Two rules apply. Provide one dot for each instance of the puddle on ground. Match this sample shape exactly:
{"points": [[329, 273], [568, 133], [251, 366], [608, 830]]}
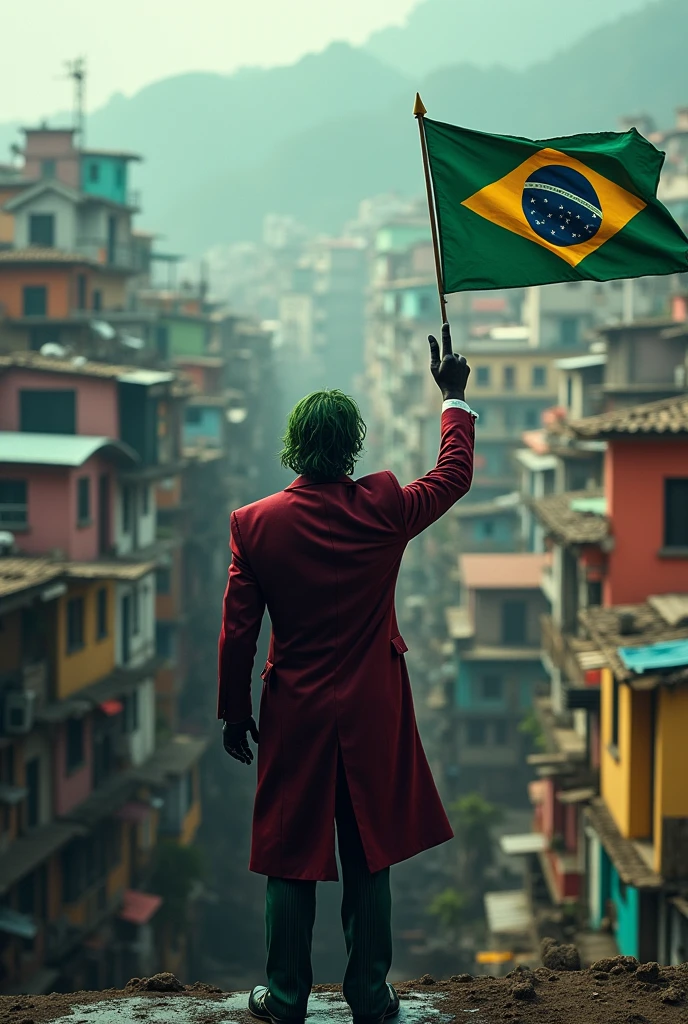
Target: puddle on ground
{"points": [[322, 1009]]}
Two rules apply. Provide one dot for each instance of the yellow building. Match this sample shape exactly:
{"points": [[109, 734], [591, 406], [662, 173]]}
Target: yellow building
{"points": [[639, 839]]}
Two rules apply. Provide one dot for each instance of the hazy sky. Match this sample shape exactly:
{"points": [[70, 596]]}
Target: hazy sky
{"points": [[132, 42]]}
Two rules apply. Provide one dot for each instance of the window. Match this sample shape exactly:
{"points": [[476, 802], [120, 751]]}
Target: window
{"points": [[569, 392], [35, 300], [131, 711], [513, 623], [476, 732], [126, 508], [48, 168], [164, 640], [532, 418], [193, 416], [13, 503], [135, 612], [509, 378], [47, 412], [163, 580], [487, 528], [33, 776], [119, 176], [568, 330], [81, 291], [482, 376], [491, 688], [594, 593], [42, 229], [75, 744], [676, 513], [162, 341], [539, 376], [75, 624], [481, 412], [97, 300], [101, 614], [614, 738], [425, 303], [93, 173], [83, 500], [501, 734]]}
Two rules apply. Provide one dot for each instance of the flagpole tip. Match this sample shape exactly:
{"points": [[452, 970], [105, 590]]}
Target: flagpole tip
{"points": [[418, 107]]}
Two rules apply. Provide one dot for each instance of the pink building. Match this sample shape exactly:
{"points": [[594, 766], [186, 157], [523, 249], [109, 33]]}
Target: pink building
{"points": [[57, 492], [58, 402]]}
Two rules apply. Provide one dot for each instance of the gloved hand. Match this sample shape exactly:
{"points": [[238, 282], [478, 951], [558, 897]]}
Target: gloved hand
{"points": [[235, 742]]}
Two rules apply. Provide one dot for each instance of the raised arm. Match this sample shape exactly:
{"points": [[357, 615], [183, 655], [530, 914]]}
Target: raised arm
{"points": [[242, 615], [429, 497]]}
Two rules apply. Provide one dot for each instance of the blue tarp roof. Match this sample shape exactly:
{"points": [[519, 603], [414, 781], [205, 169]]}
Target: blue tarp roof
{"points": [[670, 654]]}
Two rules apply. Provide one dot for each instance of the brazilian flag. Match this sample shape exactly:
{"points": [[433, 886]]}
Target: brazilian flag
{"points": [[514, 212]]}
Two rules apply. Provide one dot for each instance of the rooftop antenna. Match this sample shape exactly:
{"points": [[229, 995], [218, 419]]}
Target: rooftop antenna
{"points": [[76, 70]]}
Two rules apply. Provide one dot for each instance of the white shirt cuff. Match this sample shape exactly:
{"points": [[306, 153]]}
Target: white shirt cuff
{"points": [[456, 403]]}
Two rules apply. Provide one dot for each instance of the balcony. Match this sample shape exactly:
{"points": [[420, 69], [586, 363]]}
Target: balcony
{"points": [[579, 660], [123, 256]]}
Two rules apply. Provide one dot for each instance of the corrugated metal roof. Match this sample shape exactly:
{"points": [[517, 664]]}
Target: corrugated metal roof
{"points": [[529, 842], [596, 506], [672, 607], [582, 362], [508, 913], [59, 449], [670, 654]]}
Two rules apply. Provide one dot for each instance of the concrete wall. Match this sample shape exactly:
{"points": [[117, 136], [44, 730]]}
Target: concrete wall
{"points": [[635, 471], [143, 738], [60, 283], [64, 212], [488, 614], [96, 400], [626, 900], [670, 789], [625, 774], [71, 789], [141, 643], [112, 177], [142, 531], [97, 657]]}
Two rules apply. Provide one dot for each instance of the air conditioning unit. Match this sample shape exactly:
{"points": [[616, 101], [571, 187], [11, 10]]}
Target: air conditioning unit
{"points": [[19, 712]]}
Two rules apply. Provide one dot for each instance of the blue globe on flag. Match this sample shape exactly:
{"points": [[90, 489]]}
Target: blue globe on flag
{"points": [[561, 206]]}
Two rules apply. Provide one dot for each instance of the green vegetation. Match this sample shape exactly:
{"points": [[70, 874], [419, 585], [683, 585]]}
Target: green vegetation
{"points": [[175, 871], [530, 726]]}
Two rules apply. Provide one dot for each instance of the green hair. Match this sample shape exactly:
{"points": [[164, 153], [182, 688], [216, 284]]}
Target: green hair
{"points": [[324, 437]]}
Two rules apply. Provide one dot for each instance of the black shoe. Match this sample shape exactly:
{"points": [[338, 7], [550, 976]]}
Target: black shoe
{"points": [[391, 1011], [257, 1008]]}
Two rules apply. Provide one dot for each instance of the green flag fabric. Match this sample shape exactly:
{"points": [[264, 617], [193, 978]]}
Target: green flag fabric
{"points": [[515, 212]]}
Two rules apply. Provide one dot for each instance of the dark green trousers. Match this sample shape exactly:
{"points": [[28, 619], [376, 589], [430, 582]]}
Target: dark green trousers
{"points": [[366, 919]]}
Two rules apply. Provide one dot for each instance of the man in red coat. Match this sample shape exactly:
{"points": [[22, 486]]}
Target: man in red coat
{"points": [[338, 736]]}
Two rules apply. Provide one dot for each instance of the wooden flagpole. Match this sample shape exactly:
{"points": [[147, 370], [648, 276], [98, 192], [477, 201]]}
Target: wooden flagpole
{"points": [[419, 113]]}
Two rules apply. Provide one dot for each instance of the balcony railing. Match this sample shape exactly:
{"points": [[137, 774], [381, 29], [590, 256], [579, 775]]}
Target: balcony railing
{"points": [[120, 256], [579, 660]]}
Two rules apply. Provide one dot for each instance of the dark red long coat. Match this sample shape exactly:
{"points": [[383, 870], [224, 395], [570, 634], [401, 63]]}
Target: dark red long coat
{"points": [[324, 559]]}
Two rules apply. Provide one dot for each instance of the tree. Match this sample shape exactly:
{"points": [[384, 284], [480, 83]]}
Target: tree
{"points": [[448, 907], [474, 818]]}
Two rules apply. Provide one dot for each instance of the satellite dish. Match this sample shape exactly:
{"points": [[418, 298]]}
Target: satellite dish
{"points": [[52, 350], [79, 361]]}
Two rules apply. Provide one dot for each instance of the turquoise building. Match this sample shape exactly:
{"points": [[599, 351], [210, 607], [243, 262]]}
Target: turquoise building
{"points": [[106, 174]]}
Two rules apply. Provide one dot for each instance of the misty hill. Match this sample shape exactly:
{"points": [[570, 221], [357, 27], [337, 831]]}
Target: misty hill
{"points": [[487, 33], [635, 65]]}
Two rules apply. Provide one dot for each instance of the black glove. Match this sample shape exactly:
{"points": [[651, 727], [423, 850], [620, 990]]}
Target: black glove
{"points": [[449, 369], [235, 742]]}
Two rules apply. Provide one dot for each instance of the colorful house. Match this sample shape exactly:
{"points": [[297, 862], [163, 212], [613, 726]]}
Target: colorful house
{"points": [[496, 632]]}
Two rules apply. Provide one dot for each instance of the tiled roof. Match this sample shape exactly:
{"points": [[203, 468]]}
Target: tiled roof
{"points": [[39, 254], [631, 867], [560, 517], [90, 368], [635, 625], [668, 416], [18, 574], [511, 571]]}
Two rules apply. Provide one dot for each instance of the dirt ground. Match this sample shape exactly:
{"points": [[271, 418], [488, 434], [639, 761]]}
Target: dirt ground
{"points": [[613, 991]]}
